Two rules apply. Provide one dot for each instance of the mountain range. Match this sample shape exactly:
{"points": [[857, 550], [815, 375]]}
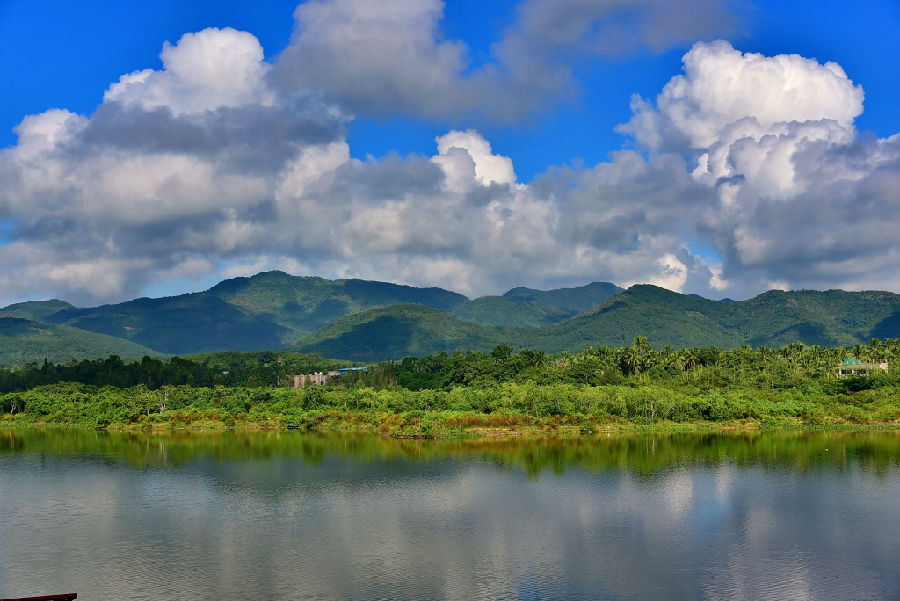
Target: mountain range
{"points": [[368, 321]]}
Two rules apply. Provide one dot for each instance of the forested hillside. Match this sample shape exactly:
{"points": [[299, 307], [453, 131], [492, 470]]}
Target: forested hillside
{"points": [[403, 330], [372, 321], [776, 318], [23, 341], [267, 311], [526, 307]]}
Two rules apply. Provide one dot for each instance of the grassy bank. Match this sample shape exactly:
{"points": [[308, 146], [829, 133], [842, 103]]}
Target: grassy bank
{"points": [[507, 409]]}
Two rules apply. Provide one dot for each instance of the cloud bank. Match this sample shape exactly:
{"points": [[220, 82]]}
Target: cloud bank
{"points": [[222, 164]]}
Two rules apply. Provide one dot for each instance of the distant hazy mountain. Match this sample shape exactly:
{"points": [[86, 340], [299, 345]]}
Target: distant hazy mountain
{"points": [[366, 320], [23, 341]]}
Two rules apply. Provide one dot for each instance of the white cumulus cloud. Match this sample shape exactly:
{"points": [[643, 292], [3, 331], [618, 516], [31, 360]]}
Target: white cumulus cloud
{"points": [[222, 163], [205, 70], [798, 191], [722, 86]]}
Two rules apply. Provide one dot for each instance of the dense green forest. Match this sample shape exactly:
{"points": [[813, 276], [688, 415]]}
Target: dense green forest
{"points": [[452, 393], [232, 369], [639, 363]]}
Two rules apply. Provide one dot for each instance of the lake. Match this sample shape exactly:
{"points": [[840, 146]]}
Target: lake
{"points": [[288, 515]]}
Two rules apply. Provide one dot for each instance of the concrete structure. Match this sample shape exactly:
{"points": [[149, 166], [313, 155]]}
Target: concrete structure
{"points": [[319, 378], [855, 367]]}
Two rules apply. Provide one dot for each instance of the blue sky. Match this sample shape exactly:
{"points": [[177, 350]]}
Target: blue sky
{"points": [[66, 55]]}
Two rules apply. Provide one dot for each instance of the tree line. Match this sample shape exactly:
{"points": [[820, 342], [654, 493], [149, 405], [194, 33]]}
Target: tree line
{"points": [[638, 364], [760, 368], [230, 369]]}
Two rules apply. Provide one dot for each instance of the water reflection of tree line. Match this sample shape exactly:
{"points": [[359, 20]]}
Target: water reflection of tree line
{"points": [[643, 454]]}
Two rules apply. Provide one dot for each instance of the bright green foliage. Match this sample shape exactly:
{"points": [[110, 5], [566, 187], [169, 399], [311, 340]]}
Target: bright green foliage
{"points": [[587, 407], [438, 394]]}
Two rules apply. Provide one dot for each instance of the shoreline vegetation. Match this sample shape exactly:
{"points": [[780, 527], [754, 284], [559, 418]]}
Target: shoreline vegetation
{"points": [[469, 394]]}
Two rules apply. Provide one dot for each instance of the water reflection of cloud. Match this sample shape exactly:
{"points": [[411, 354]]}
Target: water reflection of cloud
{"points": [[678, 491], [283, 528]]}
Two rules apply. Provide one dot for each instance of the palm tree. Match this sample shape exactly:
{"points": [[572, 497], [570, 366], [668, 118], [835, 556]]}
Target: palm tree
{"points": [[875, 351], [630, 360], [640, 344]]}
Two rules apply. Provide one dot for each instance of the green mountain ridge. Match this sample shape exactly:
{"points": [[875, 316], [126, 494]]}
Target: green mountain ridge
{"points": [[775, 318], [23, 341], [573, 300], [534, 308], [35, 310], [367, 320], [267, 311]]}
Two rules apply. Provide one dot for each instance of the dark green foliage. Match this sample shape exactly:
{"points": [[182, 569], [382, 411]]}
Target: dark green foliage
{"points": [[775, 318], [260, 369], [789, 367], [889, 327], [662, 316], [182, 324]]}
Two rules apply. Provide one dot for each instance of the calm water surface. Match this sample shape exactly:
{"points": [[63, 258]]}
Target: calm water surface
{"points": [[293, 516]]}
